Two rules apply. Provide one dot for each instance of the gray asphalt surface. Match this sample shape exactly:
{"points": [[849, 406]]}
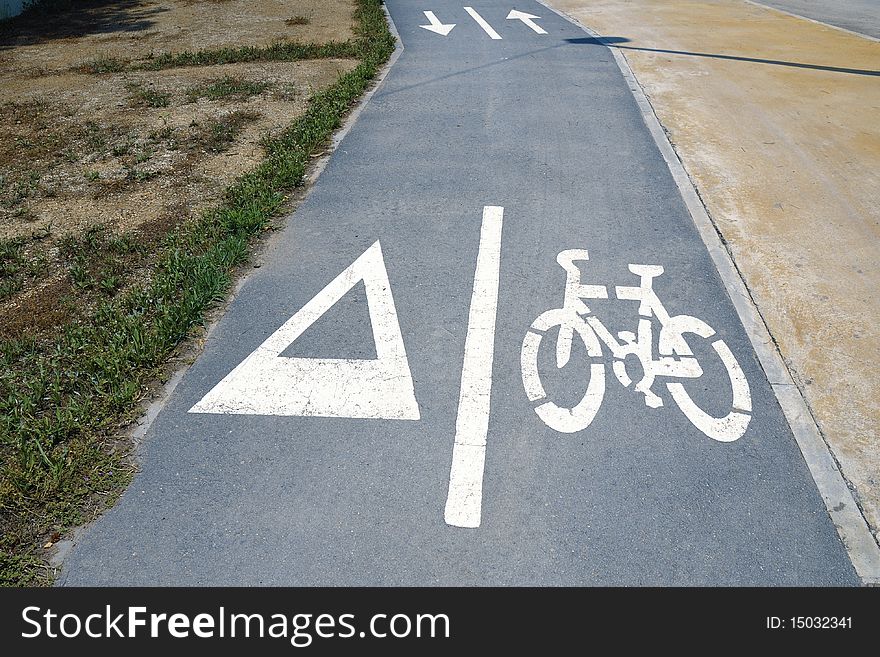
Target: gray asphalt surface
{"points": [[544, 126], [862, 16]]}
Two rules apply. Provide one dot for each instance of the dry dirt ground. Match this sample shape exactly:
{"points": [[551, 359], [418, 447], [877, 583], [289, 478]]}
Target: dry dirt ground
{"points": [[117, 159], [777, 120]]}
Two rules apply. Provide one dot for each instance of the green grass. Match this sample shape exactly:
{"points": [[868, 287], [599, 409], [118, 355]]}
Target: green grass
{"points": [[11, 264], [10, 256], [102, 65], [133, 174], [148, 97], [26, 184], [97, 259], [63, 400], [217, 135], [285, 51], [16, 265], [227, 87], [282, 51], [121, 148]]}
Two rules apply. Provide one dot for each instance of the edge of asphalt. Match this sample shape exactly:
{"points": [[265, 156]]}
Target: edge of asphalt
{"points": [[143, 423], [141, 426], [851, 525], [813, 20]]}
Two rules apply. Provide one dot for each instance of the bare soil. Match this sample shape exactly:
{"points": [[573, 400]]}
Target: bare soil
{"points": [[138, 29], [135, 152]]}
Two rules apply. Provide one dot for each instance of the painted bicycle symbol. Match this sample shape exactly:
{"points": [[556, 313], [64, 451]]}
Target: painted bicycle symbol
{"points": [[675, 358]]}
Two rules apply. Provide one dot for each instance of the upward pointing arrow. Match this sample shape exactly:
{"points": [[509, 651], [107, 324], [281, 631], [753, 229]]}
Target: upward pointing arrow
{"points": [[527, 19], [436, 25]]}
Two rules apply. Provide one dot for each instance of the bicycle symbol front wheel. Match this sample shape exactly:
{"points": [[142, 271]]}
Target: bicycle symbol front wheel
{"points": [[562, 419], [731, 426]]}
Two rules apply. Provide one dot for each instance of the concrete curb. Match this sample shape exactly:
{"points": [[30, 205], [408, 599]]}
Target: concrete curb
{"points": [[851, 525], [337, 138]]}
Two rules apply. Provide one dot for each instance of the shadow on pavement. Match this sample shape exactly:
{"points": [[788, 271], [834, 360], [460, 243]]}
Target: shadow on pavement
{"points": [[614, 41]]}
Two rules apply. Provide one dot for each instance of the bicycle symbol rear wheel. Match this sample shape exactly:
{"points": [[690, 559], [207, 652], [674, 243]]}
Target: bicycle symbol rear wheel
{"points": [[562, 419]]}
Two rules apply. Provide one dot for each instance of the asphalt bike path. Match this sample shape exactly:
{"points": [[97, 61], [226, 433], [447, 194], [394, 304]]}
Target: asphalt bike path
{"points": [[489, 348]]}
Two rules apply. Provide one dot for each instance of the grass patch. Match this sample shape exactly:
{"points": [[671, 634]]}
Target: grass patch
{"points": [[154, 98], [282, 51], [134, 174], [217, 135], [102, 65], [63, 399], [123, 147], [227, 88], [148, 97], [16, 266], [277, 52], [22, 184], [98, 259], [297, 20], [11, 264]]}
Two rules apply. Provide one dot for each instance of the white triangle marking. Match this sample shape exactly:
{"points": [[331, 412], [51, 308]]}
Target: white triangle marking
{"points": [[266, 383]]}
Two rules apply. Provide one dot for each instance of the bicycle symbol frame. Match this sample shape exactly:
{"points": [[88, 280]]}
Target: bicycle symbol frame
{"points": [[675, 357]]}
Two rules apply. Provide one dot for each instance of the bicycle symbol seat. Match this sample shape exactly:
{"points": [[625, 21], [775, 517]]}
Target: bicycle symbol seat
{"points": [[675, 358]]}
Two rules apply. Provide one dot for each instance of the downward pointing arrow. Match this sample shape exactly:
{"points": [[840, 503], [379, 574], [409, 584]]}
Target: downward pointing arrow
{"points": [[527, 19], [436, 25]]}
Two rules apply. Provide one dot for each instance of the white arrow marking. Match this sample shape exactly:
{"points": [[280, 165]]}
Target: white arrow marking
{"points": [[527, 19], [436, 25], [266, 383], [482, 23], [465, 499]]}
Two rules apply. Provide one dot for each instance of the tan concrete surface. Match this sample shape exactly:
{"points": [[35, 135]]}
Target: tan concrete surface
{"points": [[777, 121]]}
